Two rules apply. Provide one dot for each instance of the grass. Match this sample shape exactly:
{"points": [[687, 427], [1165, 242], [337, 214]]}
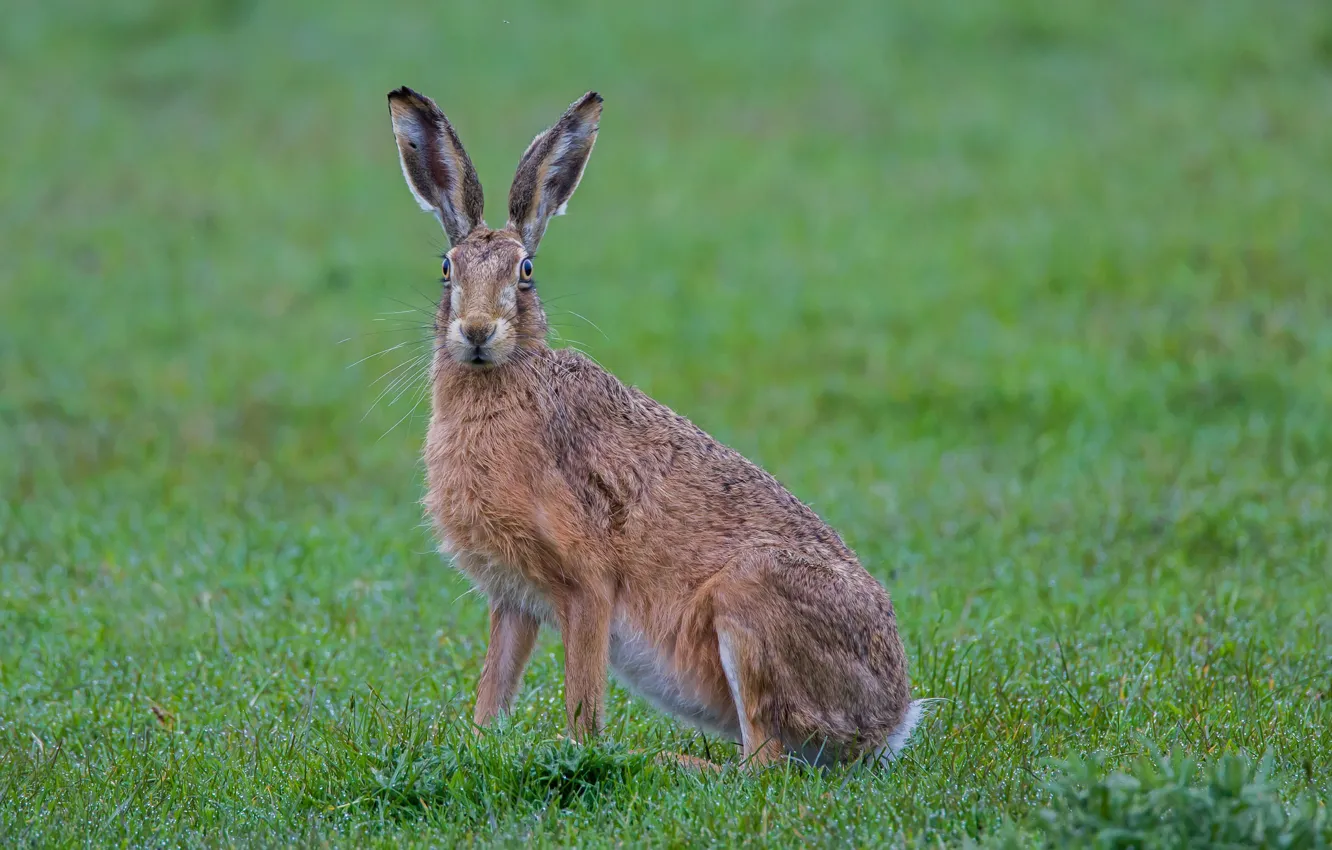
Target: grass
{"points": [[1160, 804], [1030, 300]]}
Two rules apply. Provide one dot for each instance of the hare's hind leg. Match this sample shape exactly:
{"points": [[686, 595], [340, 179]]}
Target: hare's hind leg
{"points": [[742, 665], [811, 654]]}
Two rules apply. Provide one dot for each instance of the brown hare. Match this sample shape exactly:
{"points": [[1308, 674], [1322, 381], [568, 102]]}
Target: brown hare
{"points": [[575, 501]]}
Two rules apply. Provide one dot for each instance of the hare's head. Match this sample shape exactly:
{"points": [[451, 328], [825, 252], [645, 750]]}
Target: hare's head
{"points": [[489, 310]]}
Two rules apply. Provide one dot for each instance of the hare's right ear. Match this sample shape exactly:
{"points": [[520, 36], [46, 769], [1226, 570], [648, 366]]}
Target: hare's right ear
{"points": [[436, 167], [550, 169]]}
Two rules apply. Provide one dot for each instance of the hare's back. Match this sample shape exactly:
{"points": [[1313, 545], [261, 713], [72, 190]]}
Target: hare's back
{"points": [[619, 444]]}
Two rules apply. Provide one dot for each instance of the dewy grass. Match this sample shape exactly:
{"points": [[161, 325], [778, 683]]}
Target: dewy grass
{"points": [[401, 764], [1174, 802], [1030, 301]]}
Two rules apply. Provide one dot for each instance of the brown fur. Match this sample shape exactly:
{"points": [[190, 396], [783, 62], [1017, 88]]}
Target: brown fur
{"points": [[571, 499]]}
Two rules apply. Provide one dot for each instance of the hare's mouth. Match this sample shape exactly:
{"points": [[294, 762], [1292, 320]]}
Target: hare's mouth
{"points": [[479, 357]]}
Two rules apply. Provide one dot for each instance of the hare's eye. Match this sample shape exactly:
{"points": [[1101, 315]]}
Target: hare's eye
{"points": [[446, 270], [525, 270]]}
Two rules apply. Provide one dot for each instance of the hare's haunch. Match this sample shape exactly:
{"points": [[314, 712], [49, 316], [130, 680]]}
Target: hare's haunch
{"points": [[573, 500]]}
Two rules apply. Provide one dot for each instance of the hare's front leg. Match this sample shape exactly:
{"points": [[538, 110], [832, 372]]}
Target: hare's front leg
{"points": [[513, 632], [585, 620]]}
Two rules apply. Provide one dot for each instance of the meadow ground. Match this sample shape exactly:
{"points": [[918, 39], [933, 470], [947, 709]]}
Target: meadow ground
{"points": [[1030, 300]]}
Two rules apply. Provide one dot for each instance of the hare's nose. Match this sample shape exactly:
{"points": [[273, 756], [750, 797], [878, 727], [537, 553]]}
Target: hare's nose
{"points": [[478, 333]]}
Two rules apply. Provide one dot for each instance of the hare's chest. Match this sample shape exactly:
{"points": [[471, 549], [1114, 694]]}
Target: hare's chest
{"points": [[499, 550], [487, 503]]}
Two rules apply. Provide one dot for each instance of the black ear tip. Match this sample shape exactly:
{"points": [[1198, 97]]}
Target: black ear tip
{"points": [[587, 105], [403, 93]]}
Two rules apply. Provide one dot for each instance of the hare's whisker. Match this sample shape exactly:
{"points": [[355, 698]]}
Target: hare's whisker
{"points": [[590, 322], [409, 366], [406, 362], [404, 416], [396, 330], [409, 373], [580, 316], [378, 353], [414, 308], [407, 386]]}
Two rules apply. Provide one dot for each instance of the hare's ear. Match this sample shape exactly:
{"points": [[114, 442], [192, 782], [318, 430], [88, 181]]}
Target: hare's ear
{"points": [[436, 167], [550, 169]]}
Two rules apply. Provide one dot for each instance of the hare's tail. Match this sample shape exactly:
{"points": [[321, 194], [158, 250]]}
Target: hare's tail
{"points": [[897, 741]]}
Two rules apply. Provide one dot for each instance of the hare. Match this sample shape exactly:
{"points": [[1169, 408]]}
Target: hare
{"points": [[573, 500]]}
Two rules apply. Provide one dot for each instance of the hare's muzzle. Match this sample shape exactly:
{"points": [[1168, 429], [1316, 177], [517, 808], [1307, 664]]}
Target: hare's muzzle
{"points": [[474, 342]]}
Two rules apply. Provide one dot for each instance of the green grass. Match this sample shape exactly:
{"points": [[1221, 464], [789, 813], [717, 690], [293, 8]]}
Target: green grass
{"points": [[1030, 300]]}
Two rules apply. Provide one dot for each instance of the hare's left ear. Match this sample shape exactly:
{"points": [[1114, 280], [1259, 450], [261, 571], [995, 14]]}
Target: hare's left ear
{"points": [[437, 168], [550, 170]]}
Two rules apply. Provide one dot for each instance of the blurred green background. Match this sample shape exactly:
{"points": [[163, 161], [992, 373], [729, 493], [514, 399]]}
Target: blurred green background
{"points": [[1030, 300]]}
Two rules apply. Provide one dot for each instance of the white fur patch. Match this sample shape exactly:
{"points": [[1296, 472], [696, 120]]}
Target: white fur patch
{"points": [[502, 584], [898, 740], [731, 667], [643, 669], [455, 336]]}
